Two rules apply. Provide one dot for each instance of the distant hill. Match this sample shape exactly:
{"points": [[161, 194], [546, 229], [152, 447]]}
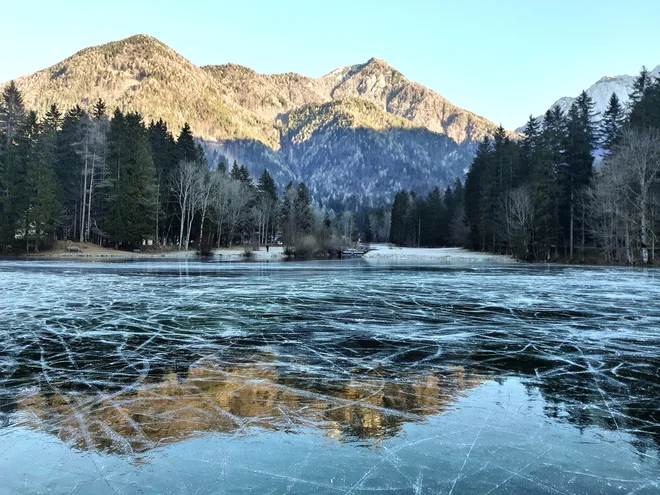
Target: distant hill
{"points": [[361, 129]]}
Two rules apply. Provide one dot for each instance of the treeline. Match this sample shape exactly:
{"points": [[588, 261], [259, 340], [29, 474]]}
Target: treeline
{"points": [[432, 221], [541, 197], [115, 181]]}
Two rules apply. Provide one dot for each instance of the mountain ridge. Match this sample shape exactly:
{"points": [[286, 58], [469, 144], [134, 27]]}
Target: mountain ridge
{"points": [[275, 121]]}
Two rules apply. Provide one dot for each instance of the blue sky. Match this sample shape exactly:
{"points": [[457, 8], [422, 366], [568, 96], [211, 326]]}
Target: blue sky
{"points": [[503, 60]]}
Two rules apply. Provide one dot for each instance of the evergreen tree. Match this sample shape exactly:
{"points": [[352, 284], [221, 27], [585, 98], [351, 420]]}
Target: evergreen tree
{"points": [[645, 102], [42, 187], [12, 112], [433, 228], [612, 123], [98, 111], [267, 186], [578, 159], [398, 227], [12, 169], [543, 154], [164, 155], [131, 182], [235, 172], [241, 174], [532, 139], [187, 151], [303, 209], [53, 119], [67, 167], [640, 85], [474, 193]]}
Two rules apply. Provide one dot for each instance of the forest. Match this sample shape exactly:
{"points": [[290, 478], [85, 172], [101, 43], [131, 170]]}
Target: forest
{"points": [[115, 181], [571, 188]]}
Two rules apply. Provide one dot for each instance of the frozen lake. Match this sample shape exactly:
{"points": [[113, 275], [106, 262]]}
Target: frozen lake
{"points": [[328, 377]]}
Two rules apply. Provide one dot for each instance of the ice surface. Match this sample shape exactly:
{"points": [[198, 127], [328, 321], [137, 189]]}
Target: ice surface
{"points": [[328, 377]]}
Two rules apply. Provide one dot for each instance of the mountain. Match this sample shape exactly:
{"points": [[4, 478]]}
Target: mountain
{"points": [[360, 129], [601, 92], [272, 95]]}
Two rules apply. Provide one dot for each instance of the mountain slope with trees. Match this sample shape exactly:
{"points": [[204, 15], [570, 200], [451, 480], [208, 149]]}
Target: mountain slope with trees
{"points": [[542, 197], [238, 114], [112, 179]]}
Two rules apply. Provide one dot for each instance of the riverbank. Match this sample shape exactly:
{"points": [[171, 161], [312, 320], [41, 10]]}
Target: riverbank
{"points": [[376, 253], [92, 252]]}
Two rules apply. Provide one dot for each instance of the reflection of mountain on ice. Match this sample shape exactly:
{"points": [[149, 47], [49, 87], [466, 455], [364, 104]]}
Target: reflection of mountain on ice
{"points": [[241, 399], [262, 375]]}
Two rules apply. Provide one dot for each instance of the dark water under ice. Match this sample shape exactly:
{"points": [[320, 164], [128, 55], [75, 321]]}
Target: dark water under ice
{"points": [[328, 377]]}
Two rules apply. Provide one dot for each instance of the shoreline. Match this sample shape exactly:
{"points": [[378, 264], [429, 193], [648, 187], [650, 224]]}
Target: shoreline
{"points": [[377, 253], [93, 252]]}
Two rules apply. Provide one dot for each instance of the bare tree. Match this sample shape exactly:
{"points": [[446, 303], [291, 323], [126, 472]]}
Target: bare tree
{"points": [[517, 219], [219, 202], [621, 199], [640, 154], [203, 190], [92, 151], [184, 182], [263, 213], [239, 196]]}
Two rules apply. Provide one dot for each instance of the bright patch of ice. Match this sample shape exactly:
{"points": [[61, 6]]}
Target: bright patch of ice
{"points": [[384, 252]]}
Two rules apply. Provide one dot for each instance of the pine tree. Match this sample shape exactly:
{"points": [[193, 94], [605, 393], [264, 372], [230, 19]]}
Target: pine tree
{"points": [[241, 174], [164, 155], [42, 187], [474, 195], [187, 151], [612, 123], [578, 158], [398, 224], [645, 102], [235, 172], [542, 151], [303, 209], [640, 85], [267, 186], [131, 181], [288, 215], [67, 167], [12, 112], [99, 108], [532, 139], [53, 119], [433, 231]]}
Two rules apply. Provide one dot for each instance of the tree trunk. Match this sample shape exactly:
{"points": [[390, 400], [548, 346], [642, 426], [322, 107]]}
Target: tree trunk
{"points": [[89, 200], [183, 221], [201, 230], [84, 193]]}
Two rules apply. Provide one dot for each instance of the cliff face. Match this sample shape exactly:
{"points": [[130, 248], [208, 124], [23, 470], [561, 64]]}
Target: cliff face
{"points": [[359, 130]]}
